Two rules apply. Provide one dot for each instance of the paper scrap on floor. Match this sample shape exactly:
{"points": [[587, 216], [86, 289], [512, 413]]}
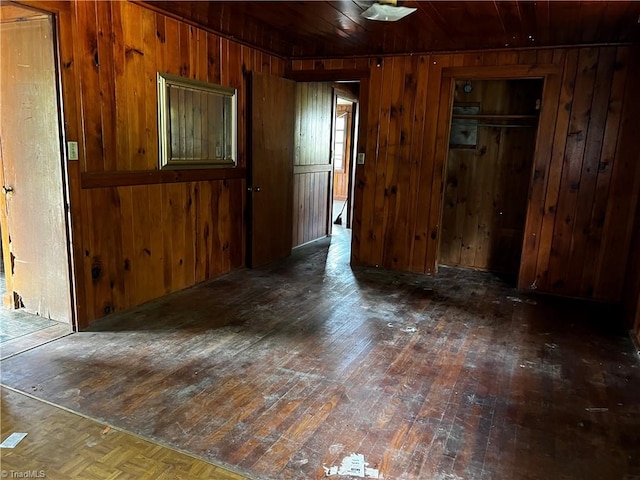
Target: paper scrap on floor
{"points": [[353, 465], [12, 440]]}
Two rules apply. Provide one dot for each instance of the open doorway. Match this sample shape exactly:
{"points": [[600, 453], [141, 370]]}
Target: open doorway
{"points": [[33, 217], [324, 139], [300, 177], [344, 146], [488, 171]]}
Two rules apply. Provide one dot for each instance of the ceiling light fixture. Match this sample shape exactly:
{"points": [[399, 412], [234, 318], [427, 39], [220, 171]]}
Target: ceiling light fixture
{"points": [[387, 11]]}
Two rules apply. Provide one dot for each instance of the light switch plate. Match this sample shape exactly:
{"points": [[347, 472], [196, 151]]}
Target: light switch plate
{"points": [[360, 159], [72, 150]]}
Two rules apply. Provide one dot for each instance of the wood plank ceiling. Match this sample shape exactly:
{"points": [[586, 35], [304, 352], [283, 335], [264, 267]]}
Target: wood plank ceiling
{"points": [[325, 29]]}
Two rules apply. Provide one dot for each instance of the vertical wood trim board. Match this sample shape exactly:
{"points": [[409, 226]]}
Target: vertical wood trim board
{"points": [[625, 205]]}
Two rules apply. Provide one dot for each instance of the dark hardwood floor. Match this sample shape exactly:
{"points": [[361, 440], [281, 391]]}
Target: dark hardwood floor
{"points": [[281, 370], [62, 445]]}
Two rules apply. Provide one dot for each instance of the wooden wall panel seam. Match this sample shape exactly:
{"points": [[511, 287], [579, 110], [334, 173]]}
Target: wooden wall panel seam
{"points": [[382, 160], [588, 176], [420, 114], [608, 158], [625, 183], [572, 167], [553, 181], [440, 148], [539, 182], [423, 194], [366, 178]]}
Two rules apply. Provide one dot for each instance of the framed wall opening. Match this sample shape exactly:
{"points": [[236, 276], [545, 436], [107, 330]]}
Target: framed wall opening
{"points": [[34, 215], [326, 140], [345, 148], [487, 175], [551, 78]]}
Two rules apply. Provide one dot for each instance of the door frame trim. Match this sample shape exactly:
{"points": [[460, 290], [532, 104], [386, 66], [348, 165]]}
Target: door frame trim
{"points": [[55, 15], [353, 133], [341, 75], [552, 77]]}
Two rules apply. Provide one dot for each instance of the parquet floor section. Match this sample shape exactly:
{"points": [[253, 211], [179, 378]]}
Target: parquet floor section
{"points": [[64, 445], [281, 370]]}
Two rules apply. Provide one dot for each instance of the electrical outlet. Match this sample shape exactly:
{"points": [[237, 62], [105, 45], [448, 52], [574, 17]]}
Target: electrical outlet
{"points": [[360, 159], [72, 150]]}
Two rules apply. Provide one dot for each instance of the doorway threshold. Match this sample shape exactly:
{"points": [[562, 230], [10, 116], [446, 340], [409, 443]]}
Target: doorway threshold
{"points": [[13, 346]]}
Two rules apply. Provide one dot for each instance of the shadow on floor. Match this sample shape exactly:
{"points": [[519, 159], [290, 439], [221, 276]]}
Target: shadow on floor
{"points": [[286, 368]]}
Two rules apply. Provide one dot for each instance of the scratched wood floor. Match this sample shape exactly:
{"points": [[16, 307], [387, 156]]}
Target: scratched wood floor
{"points": [[281, 370], [16, 345], [64, 445]]}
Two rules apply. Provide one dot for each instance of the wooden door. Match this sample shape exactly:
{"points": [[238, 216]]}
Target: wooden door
{"points": [[342, 149], [272, 120], [33, 219], [312, 167]]}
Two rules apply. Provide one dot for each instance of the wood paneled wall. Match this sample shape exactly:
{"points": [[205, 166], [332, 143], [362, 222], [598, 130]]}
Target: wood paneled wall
{"points": [[122, 46], [631, 306], [631, 298], [578, 232], [312, 168], [140, 233]]}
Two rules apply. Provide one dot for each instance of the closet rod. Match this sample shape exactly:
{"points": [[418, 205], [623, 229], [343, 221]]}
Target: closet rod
{"points": [[499, 125]]}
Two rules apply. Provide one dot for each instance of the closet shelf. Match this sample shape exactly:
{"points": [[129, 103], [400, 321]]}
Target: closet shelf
{"points": [[493, 117]]}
